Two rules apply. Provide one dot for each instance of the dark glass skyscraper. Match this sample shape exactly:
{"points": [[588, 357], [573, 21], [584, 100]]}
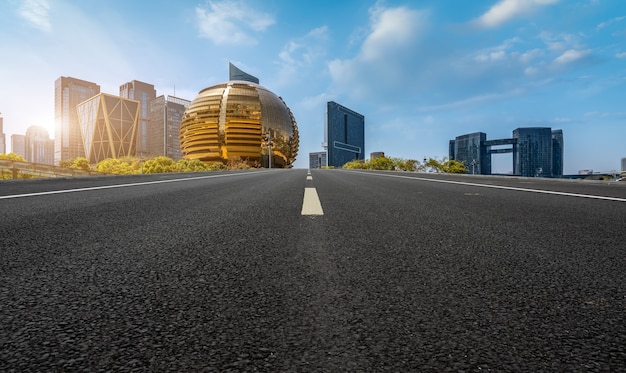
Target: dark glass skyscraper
{"points": [[470, 150], [557, 153], [533, 152], [345, 134]]}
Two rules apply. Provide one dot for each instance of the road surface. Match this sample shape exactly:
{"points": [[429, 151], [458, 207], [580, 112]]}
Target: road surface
{"points": [[373, 271]]}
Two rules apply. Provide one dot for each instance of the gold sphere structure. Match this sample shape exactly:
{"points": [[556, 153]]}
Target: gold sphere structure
{"points": [[239, 120]]}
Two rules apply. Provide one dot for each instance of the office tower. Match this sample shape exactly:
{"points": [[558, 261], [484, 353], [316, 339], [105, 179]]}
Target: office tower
{"points": [[236, 74], [39, 148], [109, 126], [68, 93], [557, 153], [470, 150], [164, 127], [317, 160], [144, 93], [533, 152], [624, 164], [344, 134], [18, 145], [3, 138]]}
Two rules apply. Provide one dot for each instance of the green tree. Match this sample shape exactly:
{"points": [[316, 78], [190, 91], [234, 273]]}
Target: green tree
{"points": [[454, 167], [12, 157], [358, 164], [382, 163], [191, 165], [159, 165], [79, 163], [115, 166]]}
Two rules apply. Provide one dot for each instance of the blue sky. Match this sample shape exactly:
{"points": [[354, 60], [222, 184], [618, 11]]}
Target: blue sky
{"points": [[422, 72]]}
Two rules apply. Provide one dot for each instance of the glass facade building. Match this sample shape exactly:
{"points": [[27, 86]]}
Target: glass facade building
{"points": [[344, 134], [317, 160], [239, 120], [470, 150], [109, 126], [144, 93], [3, 138], [533, 152], [557, 153], [166, 114], [68, 93], [38, 147]]}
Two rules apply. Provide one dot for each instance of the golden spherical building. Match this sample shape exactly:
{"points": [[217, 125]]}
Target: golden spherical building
{"points": [[239, 120]]}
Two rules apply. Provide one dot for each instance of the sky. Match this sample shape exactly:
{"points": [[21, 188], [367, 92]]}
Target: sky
{"points": [[421, 72]]}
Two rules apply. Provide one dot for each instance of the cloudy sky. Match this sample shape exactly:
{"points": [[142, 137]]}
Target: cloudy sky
{"points": [[422, 72]]}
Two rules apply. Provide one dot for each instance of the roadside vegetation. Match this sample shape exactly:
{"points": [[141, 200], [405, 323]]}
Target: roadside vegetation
{"points": [[411, 165]]}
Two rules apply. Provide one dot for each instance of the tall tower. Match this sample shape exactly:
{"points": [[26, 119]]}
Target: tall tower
{"points": [[557, 153], [3, 138], [345, 134], [68, 93], [38, 147], [144, 93], [532, 155], [164, 127]]}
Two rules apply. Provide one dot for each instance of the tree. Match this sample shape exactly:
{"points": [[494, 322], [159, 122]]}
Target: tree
{"points": [[191, 165], [454, 167], [12, 157], [115, 166], [358, 164], [79, 163], [382, 163], [159, 165]]}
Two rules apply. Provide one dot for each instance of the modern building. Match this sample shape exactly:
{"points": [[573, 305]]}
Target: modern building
{"points": [[163, 131], [109, 126], [317, 160], [470, 150], [624, 164], [144, 93], [68, 93], [344, 134], [374, 155], [18, 145], [3, 138], [38, 146], [239, 120], [537, 151], [533, 152]]}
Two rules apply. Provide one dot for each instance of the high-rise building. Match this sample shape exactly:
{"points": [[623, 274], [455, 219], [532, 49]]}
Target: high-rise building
{"points": [[68, 93], [317, 160], [537, 151], [3, 138], [624, 164], [18, 145], [109, 126], [144, 93], [557, 153], [344, 134], [533, 152], [470, 150], [39, 148], [164, 127]]}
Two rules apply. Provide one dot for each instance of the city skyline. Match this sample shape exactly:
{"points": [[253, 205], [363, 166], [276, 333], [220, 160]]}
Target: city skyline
{"points": [[421, 72]]}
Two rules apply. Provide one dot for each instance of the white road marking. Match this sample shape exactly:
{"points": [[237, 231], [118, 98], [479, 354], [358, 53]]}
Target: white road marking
{"points": [[120, 185], [541, 191], [309, 177], [311, 203]]}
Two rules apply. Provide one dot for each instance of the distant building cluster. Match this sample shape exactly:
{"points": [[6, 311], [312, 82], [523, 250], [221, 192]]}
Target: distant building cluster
{"points": [[537, 151], [97, 126], [344, 137]]}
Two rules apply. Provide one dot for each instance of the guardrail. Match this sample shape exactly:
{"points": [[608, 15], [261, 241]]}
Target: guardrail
{"points": [[25, 170]]}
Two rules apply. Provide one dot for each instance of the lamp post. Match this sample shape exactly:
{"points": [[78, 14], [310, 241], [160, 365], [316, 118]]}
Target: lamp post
{"points": [[268, 142], [473, 164]]}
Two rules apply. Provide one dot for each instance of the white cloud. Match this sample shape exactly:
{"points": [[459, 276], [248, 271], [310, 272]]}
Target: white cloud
{"points": [[36, 12], [231, 22], [620, 55], [609, 22], [571, 55], [506, 10]]}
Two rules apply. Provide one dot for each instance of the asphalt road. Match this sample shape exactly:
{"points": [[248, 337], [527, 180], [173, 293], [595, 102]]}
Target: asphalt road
{"points": [[402, 272]]}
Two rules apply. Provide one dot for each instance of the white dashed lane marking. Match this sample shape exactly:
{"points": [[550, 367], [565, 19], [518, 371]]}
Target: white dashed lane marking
{"points": [[311, 204]]}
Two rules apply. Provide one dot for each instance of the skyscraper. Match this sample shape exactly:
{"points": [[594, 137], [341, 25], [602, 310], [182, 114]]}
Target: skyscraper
{"points": [[470, 150], [533, 152], [18, 145], [68, 93], [144, 93], [557, 153], [164, 127], [624, 164], [344, 134], [38, 147], [109, 127], [317, 160], [3, 138]]}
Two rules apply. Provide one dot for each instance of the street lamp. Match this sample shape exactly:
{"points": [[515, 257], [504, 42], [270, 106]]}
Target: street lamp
{"points": [[268, 141], [473, 164]]}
